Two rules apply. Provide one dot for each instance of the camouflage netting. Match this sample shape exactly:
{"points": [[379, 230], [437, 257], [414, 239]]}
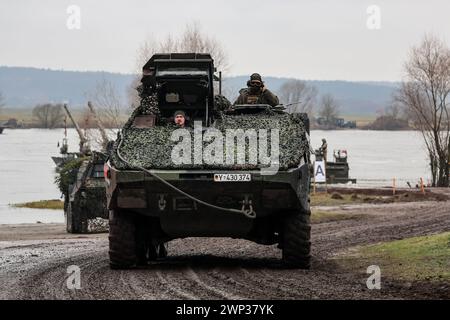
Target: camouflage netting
{"points": [[151, 148], [149, 105], [221, 103], [68, 174], [98, 225]]}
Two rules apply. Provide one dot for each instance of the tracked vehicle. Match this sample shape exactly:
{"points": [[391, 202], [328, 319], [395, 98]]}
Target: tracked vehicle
{"points": [[153, 199]]}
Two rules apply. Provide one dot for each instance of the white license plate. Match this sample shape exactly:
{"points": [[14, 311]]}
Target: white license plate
{"points": [[232, 177]]}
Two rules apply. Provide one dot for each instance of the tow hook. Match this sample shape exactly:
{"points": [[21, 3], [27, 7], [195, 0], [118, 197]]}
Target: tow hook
{"points": [[162, 202], [247, 207]]}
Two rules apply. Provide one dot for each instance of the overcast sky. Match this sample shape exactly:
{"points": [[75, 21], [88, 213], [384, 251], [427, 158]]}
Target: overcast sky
{"points": [[320, 39]]}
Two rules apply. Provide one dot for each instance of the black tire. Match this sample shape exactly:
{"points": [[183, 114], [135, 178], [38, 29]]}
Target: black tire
{"points": [[68, 217], [123, 244], [75, 221], [297, 240]]}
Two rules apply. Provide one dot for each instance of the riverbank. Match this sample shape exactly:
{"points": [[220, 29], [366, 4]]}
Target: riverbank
{"points": [[54, 204]]}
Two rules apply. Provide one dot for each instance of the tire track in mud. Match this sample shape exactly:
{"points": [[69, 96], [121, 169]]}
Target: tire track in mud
{"points": [[24, 266], [172, 286], [226, 279], [188, 284], [274, 286], [221, 294], [49, 281], [148, 286], [216, 268]]}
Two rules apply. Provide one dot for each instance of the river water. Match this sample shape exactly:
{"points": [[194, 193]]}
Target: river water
{"points": [[27, 171]]}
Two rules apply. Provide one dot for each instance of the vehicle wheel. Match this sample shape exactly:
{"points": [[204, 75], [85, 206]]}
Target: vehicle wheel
{"points": [[68, 217], [123, 249], [297, 240], [75, 223]]}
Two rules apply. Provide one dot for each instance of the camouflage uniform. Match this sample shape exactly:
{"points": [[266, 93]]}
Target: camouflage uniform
{"points": [[262, 97], [324, 148], [256, 95]]}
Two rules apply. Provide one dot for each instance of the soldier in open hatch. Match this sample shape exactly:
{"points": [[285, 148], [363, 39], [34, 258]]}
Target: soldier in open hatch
{"points": [[256, 93], [179, 117]]}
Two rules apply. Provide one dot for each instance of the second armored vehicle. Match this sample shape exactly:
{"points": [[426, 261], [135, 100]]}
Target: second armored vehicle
{"points": [[85, 201], [81, 180]]}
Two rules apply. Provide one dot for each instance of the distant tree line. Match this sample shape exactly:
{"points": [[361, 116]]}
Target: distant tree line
{"points": [[2, 101], [48, 116], [393, 117]]}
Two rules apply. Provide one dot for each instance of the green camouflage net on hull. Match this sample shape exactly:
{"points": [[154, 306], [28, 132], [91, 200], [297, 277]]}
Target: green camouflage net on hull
{"points": [[151, 148]]}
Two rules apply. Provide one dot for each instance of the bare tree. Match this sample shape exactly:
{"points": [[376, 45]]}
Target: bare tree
{"points": [[424, 93], [192, 39], [108, 112], [393, 111], [48, 115], [329, 109], [132, 93], [299, 94], [108, 104]]}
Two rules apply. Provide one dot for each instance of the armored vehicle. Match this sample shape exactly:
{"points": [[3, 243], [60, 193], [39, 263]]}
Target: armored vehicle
{"points": [[85, 201], [153, 197], [81, 180]]}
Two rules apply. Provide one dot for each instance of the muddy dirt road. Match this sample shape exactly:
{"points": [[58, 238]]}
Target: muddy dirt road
{"points": [[34, 260]]}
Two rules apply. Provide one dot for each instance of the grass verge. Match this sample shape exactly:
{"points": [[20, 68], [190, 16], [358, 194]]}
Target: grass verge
{"points": [[425, 258], [333, 199], [42, 204], [319, 216]]}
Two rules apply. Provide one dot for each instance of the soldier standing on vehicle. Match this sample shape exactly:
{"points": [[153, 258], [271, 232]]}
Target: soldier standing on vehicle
{"points": [[256, 93], [324, 148]]}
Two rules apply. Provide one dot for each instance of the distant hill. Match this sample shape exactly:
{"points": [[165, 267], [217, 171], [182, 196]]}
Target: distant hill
{"points": [[25, 87]]}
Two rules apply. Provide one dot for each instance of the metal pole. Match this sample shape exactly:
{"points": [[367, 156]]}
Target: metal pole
{"points": [[220, 82], [422, 187]]}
